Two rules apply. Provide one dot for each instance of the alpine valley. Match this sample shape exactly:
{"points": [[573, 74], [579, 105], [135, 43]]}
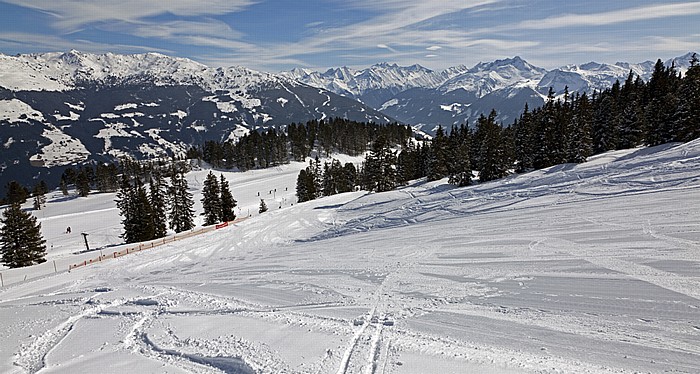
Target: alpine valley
{"points": [[61, 109]]}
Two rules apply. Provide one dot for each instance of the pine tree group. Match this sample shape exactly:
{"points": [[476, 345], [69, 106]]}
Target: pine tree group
{"points": [[217, 201], [20, 238], [145, 211]]}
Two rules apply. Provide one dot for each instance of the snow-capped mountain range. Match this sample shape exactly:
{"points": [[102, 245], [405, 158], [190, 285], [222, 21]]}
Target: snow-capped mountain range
{"points": [[420, 96], [58, 109]]}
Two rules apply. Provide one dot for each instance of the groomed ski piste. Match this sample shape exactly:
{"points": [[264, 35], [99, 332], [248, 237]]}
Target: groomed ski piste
{"points": [[590, 268]]}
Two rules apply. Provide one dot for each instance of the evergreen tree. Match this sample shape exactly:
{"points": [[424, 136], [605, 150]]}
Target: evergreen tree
{"points": [[157, 199], [144, 228], [125, 203], [404, 166], [64, 186], [329, 183], [306, 190], [181, 203], [379, 172], [524, 141], [493, 158], [437, 163], [263, 207], [662, 103], [211, 200], [460, 172], [604, 131], [348, 178], [228, 203], [39, 193], [20, 238], [16, 193], [688, 111], [580, 142], [106, 177], [136, 210], [82, 183], [631, 118]]}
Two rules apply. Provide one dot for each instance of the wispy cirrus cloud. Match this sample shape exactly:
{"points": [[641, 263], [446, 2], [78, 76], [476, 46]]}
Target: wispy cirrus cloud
{"points": [[71, 15], [10, 40], [613, 17]]}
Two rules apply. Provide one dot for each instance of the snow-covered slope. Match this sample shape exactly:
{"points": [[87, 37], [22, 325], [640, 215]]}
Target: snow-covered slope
{"points": [[590, 268]]}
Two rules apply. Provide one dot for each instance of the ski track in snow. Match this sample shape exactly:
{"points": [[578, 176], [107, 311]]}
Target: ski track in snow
{"points": [[591, 268]]}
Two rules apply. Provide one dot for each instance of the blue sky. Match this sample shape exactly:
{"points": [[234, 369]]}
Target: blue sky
{"points": [[279, 35]]}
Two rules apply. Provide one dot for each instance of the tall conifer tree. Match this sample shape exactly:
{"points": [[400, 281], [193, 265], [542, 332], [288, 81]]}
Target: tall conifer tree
{"points": [[181, 203], [21, 242], [211, 200], [228, 203]]}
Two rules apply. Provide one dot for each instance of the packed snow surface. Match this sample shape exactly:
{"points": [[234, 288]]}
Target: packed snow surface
{"points": [[591, 268]]}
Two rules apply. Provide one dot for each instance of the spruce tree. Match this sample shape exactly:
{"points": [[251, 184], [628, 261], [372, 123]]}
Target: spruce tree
{"points": [[16, 193], [181, 203], [158, 200], [580, 142], [306, 189], [82, 183], [524, 142], [460, 172], [348, 178], [228, 203], [64, 186], [379, 173], [125, 203], [437, 163], [493, 158], [39, 193], [211, 200], [20, 238], [688, 111], [144, 228], [135, 208], [661, 110]]}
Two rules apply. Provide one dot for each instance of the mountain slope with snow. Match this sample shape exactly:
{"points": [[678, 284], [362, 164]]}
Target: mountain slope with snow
{"points": [[58, 109], [589, 268]]}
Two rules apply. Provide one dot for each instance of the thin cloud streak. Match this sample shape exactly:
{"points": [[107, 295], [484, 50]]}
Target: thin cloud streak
{"points": [[71, 15], [54, 43], [613, 17]]}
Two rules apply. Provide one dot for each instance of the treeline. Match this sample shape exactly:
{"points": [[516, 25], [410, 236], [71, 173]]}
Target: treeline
{"points": [[296, 142], [567, 129]]}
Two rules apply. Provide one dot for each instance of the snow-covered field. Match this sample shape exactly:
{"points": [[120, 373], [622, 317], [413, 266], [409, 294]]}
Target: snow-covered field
{"points": [[590, 268]]}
